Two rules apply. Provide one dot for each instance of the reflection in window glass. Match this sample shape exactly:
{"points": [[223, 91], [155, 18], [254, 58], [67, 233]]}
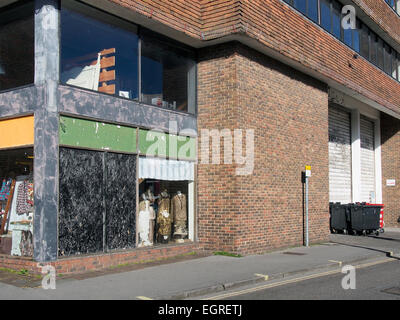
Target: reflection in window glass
{"points": [[325, 15], [312, 10], [348, 37], [300, 5], [387, 59], [336, 14], [17, 46], [168, 75], [380, 54], [364, 42], [98, 52], [394, 64], [356, 38], [373, 46]]}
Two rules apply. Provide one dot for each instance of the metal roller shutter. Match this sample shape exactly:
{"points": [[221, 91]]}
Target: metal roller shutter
{"points": [[339, 155], [367, 134]]}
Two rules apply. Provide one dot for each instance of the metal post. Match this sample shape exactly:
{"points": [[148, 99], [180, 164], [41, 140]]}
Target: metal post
{"points": [[307, 240]]}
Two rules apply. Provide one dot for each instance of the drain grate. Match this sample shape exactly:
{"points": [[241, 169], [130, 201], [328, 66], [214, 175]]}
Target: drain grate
{"points": [[295, 253], [394, 290]]}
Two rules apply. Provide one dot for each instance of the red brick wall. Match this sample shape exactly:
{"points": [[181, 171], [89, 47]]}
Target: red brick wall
{"points": [[217, 186], [73, 265], [242, 89], [390, 141]]}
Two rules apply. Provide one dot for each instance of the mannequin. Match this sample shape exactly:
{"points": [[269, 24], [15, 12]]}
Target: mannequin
{"points": [[164, 217], [146, 222], [179, 212]]}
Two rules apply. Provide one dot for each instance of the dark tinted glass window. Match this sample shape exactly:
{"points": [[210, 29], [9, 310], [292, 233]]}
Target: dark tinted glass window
{"points": [[300, 5], [380, 53], [356, 37], [17, 46], [394, 64], [364, 42], [312, 10], [387, 59], [325, 15], [168, 74], [98, 52], [336, 20], [372, 48]]}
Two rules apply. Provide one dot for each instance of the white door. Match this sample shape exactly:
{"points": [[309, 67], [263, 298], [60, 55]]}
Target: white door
{"points": [[367, 135], [339, 155]]}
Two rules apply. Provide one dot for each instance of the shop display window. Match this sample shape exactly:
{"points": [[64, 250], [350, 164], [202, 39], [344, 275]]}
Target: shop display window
{"points": [[16, 46], [163, 212], [166, 202], [16, 202]]}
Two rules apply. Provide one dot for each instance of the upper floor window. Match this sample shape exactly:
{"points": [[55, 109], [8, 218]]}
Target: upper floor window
{"points": [[361, 39], [103, 53], [17, 58]]}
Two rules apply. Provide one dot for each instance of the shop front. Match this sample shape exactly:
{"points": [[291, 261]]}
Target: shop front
{"points": [[16, 193], [120, 190]]}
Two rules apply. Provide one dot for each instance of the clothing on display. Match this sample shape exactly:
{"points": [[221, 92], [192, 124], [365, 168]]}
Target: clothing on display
{"points": [[146, 222], [179, 213], [25, 197], [5, 189], [164, 217]]}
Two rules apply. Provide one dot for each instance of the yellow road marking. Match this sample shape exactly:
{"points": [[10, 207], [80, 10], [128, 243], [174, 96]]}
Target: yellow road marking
{"points": [[265, 276], [144, 298], [281, 283]]}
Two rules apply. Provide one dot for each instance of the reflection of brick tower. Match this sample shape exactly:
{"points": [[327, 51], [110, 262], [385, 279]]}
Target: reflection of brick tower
{"points": [[175, 82], [107, 71]]}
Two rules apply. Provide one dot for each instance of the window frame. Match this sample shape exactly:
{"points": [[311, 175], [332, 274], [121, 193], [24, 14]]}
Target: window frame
{"points": [[380, 43], [13, 6], [140, 31]]}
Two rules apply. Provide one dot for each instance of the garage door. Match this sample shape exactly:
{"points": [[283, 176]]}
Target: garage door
{"points": [[367, 134], [339, 155]]}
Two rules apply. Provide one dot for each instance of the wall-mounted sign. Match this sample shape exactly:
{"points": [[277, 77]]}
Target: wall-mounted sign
{"points": [[391, 183]]}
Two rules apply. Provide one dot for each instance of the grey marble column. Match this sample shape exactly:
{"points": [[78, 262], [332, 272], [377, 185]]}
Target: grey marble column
{"points": [[47, 50]]}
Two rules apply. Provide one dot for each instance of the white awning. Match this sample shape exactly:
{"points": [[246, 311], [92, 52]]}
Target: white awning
{"points": [[169, 170]]}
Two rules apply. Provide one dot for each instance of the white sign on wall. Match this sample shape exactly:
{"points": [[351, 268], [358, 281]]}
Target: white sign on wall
{"points": [[391, 182]]}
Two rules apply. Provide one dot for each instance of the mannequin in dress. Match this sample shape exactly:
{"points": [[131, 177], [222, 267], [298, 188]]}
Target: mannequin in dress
{"points": [[179, 212], [146, 222], [164, 217]]}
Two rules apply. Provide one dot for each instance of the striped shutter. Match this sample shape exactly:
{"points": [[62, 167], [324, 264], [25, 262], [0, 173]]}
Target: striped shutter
{"points": [[367, 133], [339, 155]]}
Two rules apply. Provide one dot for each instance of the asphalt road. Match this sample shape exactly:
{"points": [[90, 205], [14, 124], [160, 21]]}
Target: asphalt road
{"points": [[372, 283]]}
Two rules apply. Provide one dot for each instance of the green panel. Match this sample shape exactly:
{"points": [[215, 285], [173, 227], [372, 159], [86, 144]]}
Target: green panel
{"points": [[97, 135], [153, 143]]}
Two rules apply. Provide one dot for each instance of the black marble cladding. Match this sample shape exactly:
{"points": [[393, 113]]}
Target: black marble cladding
{"points": [[81, 205], [120, 199], [96, 187]]}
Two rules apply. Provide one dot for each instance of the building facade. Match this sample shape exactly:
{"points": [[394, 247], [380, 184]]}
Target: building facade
{"points": [[108, 110]]}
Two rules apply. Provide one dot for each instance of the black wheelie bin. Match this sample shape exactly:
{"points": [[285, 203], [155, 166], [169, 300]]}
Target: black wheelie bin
{"points": [[365, 219], [338, 217]]}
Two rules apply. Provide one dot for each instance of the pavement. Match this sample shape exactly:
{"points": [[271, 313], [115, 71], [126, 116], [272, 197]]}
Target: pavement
{"points": [[200, 276]]}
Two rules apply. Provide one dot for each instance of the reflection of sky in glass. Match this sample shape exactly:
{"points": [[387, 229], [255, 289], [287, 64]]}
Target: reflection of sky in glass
{"points": [[300, 5], [325, 15], [313, 10], [82, 35], [336, 24], [152, 76]]}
